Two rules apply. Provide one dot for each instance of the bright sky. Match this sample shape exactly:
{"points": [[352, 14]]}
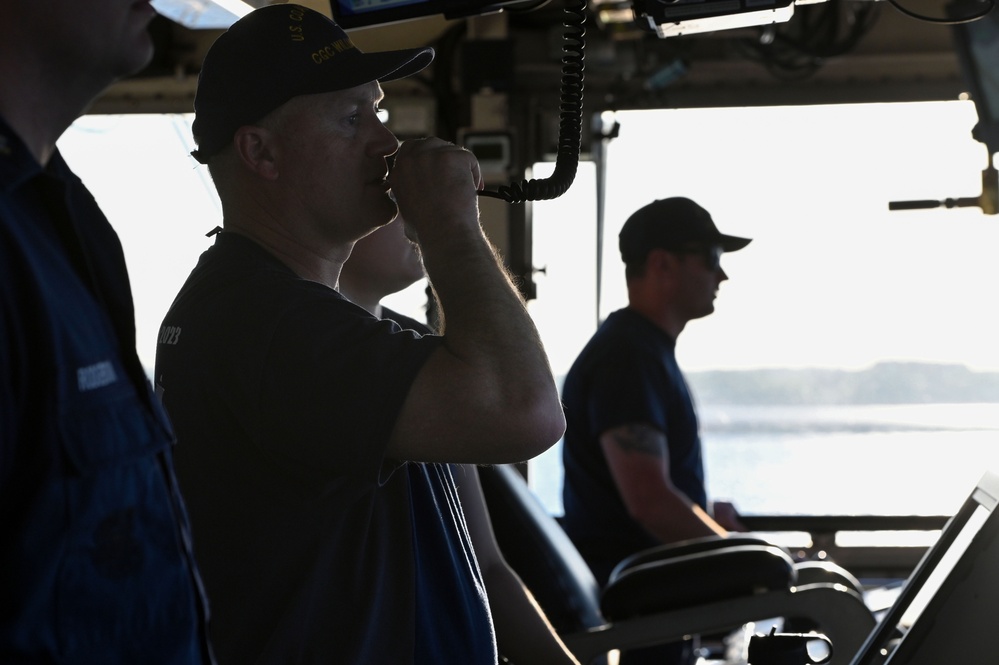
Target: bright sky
{"points": [[159, 200], [832, 278]]}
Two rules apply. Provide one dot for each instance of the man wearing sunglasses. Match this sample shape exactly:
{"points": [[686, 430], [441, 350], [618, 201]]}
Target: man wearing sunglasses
{"points": [[634, 477]]}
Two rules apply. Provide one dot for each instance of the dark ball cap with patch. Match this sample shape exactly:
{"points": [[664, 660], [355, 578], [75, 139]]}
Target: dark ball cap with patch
{"points": [[673, 223], [276, 53]]}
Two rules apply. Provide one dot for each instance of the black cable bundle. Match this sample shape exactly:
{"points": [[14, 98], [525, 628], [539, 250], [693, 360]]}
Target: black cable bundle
{"points": [[799, 48]]}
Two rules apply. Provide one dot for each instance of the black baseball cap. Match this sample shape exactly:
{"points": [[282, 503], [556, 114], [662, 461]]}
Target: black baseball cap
{"points": [[276, 53], [673, 223]]}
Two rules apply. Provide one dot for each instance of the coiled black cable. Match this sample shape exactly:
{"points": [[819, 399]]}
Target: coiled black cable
{"points": [[570, 125]]}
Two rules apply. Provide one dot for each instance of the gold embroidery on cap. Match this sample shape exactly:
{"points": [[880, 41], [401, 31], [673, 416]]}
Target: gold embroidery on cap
{"points": [[296, 15], [330, 50]]}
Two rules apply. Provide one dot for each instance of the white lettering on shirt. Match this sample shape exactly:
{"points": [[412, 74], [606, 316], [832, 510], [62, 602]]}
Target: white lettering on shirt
{"points": [[95, 376], [169, 335]]}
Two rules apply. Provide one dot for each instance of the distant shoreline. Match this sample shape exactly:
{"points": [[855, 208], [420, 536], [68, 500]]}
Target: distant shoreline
{"points": [[884, 383]]}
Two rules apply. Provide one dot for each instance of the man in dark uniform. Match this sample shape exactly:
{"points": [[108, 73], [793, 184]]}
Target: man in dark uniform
{"points": [[95, 560], [313, 438], [634, 476]]}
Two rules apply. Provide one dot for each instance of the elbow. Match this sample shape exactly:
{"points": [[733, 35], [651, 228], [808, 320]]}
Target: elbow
{"points": [[537, 423], [547, 421], [549, 426]]}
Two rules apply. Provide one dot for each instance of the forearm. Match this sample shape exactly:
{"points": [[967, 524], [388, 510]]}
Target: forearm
{"points": [[673, 517], [638, 457], [488, 330], [487, 395], [522, 631]]}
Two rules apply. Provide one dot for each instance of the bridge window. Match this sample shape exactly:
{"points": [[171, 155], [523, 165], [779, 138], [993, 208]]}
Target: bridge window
{"points": [[832, 281], [901, 302]]}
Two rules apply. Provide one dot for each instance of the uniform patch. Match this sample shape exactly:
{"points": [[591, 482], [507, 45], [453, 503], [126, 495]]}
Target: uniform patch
{"points": [[95, 376]]}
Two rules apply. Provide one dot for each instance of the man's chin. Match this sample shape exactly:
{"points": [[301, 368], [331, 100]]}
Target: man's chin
{"points": [[707, 311]]}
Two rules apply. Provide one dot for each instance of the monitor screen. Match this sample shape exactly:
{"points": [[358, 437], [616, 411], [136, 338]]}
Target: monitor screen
{"points": [[361, 13], [949, 602]]}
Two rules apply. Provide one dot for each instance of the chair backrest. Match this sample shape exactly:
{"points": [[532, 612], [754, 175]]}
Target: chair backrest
{"points": [[540, 552]]}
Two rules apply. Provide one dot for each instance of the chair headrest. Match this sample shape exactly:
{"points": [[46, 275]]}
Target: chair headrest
{"points": [[539, 551], [695, 579]]}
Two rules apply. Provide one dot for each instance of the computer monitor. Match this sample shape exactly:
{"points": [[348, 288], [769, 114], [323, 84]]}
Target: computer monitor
{"points": [[946, 611], [363, 13]]}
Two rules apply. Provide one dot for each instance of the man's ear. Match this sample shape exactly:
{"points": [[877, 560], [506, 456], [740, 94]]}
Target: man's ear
{"points": [[256, 149], [660, 261]]}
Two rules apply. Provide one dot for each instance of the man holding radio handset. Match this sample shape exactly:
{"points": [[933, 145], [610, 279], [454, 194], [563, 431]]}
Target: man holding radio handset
{"points": [[306, 427]]}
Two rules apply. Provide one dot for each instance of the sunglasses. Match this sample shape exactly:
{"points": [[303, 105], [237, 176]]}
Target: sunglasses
{"points": [[710, 253]]}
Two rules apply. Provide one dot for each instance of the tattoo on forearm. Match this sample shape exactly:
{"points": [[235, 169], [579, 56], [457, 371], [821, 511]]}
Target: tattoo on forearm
{"points": [[639, 438]]}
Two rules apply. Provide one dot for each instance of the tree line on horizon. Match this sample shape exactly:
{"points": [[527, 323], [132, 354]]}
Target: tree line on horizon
{"points": [[883, 383]]}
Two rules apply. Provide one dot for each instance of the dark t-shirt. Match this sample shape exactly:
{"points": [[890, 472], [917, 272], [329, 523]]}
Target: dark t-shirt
{"points": [[315, 548], [406, 322], [627, 373], [95, 561]]}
